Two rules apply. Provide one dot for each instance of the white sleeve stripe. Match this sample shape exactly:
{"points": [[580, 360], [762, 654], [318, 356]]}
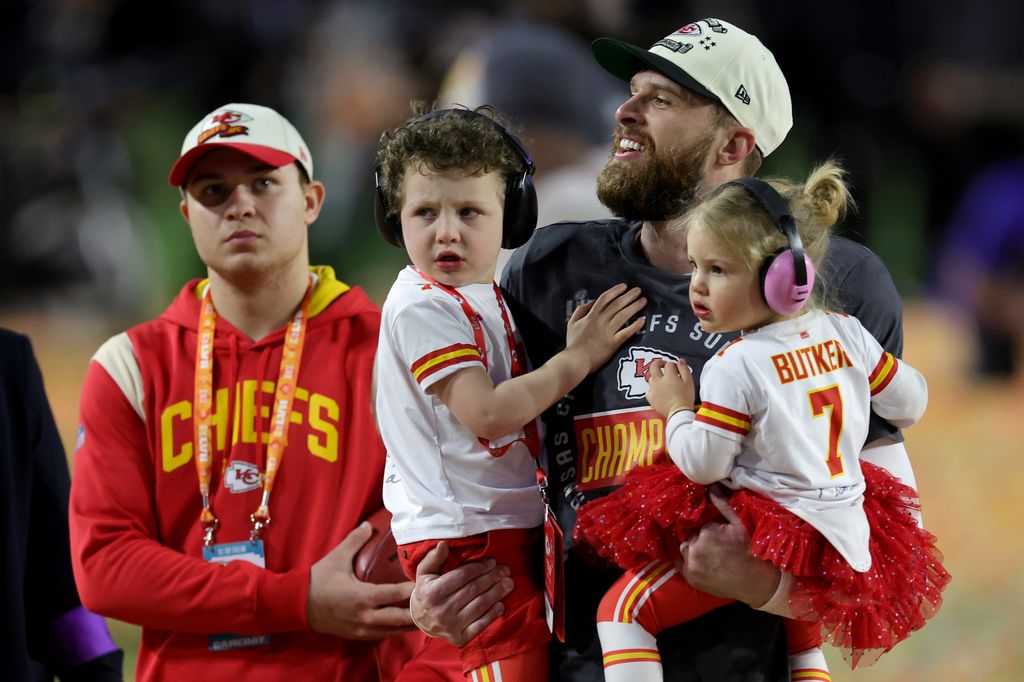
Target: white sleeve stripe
{"points": [[117, 356]]}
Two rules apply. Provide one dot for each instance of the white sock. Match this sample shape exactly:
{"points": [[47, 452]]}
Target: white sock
{"points": [[630, 653], [809, 666]]}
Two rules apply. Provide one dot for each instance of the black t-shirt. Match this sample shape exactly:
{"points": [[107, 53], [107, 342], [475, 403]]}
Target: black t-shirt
{"points": [[605, 427]]}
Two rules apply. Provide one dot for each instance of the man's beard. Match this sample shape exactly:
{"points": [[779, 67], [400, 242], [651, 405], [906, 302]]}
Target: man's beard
{"points": [[664, 187]]}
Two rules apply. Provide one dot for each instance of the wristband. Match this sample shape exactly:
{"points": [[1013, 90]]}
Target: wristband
{"points": [[675, 412]]}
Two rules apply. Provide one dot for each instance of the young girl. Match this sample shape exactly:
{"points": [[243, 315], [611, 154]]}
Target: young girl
{"points": [[783, 415]]}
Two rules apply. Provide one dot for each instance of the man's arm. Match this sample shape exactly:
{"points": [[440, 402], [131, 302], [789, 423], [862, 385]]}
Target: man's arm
{"points": [[861, 286], [123, 571], [69, 640], [864, 289], [596, 330]]}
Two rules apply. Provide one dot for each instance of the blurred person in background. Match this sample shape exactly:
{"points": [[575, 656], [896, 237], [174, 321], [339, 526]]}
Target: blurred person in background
{"points": [[980, 267], [44, 631], [967, 103], [227, 451], [544, 80]]}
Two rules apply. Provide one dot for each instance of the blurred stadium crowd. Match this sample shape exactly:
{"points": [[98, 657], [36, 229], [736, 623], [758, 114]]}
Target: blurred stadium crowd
{"points": [[923, 101]]}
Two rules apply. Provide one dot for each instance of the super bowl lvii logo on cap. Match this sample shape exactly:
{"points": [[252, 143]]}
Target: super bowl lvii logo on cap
{"points": [[225, 124]]}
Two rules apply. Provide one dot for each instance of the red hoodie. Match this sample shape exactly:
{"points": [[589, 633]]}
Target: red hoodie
{"points": [[135, 503]]}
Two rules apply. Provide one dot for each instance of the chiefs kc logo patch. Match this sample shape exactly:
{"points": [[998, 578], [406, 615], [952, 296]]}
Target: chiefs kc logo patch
{"points": [[635, 370], [689, 30], [241, 477], [226, 124]]}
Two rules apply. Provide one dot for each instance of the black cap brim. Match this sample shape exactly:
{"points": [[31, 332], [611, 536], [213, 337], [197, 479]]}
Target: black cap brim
{"points": [[624, 61]]}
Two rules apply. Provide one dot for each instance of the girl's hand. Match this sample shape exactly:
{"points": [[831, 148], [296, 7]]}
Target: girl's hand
{"points": [[670, 387]]}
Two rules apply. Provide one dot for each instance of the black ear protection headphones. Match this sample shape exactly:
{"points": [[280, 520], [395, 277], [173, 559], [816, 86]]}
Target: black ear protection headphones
{"points": [[787, 276], [520, 212]]}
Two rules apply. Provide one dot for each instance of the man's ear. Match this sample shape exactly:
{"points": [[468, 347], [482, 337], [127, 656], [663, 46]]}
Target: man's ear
{"points": [[183, 207], [314, 193], [737, 146]]}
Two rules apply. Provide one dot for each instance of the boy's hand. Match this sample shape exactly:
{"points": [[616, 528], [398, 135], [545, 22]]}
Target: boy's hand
{"points": [[596, 329], [670, 387]]}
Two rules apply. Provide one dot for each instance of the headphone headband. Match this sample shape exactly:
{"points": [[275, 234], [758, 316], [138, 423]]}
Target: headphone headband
{"points": [[778, 210], [520, 208], [470, 115], [787, 276]]}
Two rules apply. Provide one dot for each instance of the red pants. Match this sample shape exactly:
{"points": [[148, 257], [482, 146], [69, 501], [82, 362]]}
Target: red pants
{"points": [[415, 657], [522, 630]]}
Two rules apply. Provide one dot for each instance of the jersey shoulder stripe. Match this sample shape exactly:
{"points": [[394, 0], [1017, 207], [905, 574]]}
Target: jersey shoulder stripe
{"points": [[883, 373], [117, 357], [724, 418], [729, 345], [445, 357]]}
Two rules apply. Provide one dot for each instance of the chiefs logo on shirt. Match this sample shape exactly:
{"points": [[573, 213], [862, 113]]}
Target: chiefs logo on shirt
{"points": [[635, 369], [241, 477]]}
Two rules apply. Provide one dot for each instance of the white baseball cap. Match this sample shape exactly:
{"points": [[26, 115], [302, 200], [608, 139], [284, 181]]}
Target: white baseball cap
{"points": [[252, 129], [717, 60]]}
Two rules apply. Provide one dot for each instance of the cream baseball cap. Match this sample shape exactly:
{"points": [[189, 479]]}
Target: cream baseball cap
{"points": [[717, 60], [252, 129]]}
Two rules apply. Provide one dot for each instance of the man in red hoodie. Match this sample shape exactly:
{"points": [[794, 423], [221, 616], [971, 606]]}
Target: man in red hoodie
{"points": [[226, 450]]}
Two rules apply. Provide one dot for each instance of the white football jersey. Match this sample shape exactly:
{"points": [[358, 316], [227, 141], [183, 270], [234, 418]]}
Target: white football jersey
{"points": [[440, 481], [784, 411]]}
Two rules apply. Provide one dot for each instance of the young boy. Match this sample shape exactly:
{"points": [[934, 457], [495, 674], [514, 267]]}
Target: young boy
{"points": [[455, 406]]}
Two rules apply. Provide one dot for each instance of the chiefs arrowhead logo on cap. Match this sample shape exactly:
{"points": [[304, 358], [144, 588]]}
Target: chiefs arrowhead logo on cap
{"points": [[689, 30], [226, 124]]}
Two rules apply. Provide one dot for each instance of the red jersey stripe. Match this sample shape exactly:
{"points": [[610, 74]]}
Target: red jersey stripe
{"points": [[883, 373], [445, 357], [724, 418]]}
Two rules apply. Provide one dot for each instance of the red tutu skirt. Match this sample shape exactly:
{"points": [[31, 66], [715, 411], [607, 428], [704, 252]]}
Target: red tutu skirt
{"points": [[862, 614]]}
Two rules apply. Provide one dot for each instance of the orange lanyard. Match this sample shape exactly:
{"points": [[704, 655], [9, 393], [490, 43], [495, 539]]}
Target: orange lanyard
{"points": [[517, 360], [287, 379]]}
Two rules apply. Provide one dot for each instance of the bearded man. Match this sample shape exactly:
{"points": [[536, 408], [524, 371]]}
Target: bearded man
{"points": [[706, 104]]}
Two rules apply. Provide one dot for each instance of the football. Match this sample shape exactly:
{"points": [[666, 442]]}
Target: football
{"points": [[377, 560]]}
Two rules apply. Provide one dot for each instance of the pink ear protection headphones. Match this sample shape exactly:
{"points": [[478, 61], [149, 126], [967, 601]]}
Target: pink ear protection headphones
{"points": [[787, 276]]}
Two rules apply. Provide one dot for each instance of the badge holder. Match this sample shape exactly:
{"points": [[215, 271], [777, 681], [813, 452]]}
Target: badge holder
{"points": [[247, 550], [554, 564], [253, 550]]}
